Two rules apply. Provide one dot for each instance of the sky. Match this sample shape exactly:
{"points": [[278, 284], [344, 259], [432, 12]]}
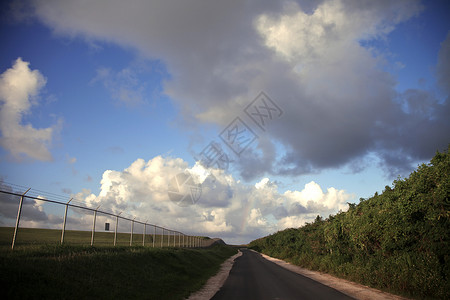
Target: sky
{"points": [[307, 106]]}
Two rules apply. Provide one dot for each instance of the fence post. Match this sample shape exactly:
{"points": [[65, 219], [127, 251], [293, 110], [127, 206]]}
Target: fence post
{"points": [[131, 236], [162, 237], [154, 235], [19, 212], [143, 236], [93, 225], [64, 222], [115, 230]]}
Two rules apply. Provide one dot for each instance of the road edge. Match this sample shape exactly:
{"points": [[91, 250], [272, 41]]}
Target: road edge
{"points": [[352, 289], [214, 283]]}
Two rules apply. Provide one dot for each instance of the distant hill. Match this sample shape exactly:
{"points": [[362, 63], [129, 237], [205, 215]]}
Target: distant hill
{"points": [[397, 241]]}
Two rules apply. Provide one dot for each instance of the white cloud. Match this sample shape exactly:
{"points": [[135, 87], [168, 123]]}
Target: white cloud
{"points": [[227, 208], [19, 87], [262, 183]]}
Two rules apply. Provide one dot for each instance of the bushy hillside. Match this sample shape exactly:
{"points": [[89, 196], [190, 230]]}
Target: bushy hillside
{"points": [[397, 241]]}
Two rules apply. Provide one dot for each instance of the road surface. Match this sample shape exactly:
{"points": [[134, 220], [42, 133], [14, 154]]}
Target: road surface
{"points": [[255, 278]]}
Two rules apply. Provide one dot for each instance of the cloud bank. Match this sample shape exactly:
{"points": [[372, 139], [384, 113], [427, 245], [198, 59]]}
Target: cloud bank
{"points": [[19, 87], [340, 104], [227, 208]]}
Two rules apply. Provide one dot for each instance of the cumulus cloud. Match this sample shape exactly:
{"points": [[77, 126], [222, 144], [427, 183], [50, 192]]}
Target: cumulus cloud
{"points": [[227, 208], [340, 105], [19, 87]]}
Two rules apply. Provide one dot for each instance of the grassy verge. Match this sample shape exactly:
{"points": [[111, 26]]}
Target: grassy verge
{"points": [[74, 272]]}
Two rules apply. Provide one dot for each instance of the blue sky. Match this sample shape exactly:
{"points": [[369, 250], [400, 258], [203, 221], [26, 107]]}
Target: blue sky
{"points": [[363, 89]]}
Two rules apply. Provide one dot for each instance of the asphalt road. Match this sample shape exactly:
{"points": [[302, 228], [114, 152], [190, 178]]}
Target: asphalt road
{"points": [[255, 278]]}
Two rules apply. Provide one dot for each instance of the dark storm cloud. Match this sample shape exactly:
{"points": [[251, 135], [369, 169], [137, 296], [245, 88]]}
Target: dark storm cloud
{"points": [[339, 104]]}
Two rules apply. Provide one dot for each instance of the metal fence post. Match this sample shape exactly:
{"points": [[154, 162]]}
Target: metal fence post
{"points": [[93, 225], [131, 236], [143, 236], [162, 237], [115, 230], [19, 212], [154, 235], [64, 222]]}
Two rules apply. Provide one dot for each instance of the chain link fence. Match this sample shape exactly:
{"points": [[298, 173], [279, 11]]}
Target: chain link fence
{"points": [[73, 218]]}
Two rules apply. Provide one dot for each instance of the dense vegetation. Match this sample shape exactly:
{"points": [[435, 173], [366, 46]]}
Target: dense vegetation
{"points": [[83, 272], [396, 241]]}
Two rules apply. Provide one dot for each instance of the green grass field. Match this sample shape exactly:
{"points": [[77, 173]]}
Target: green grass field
{"points": [[40, 268], [27, 236]]}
